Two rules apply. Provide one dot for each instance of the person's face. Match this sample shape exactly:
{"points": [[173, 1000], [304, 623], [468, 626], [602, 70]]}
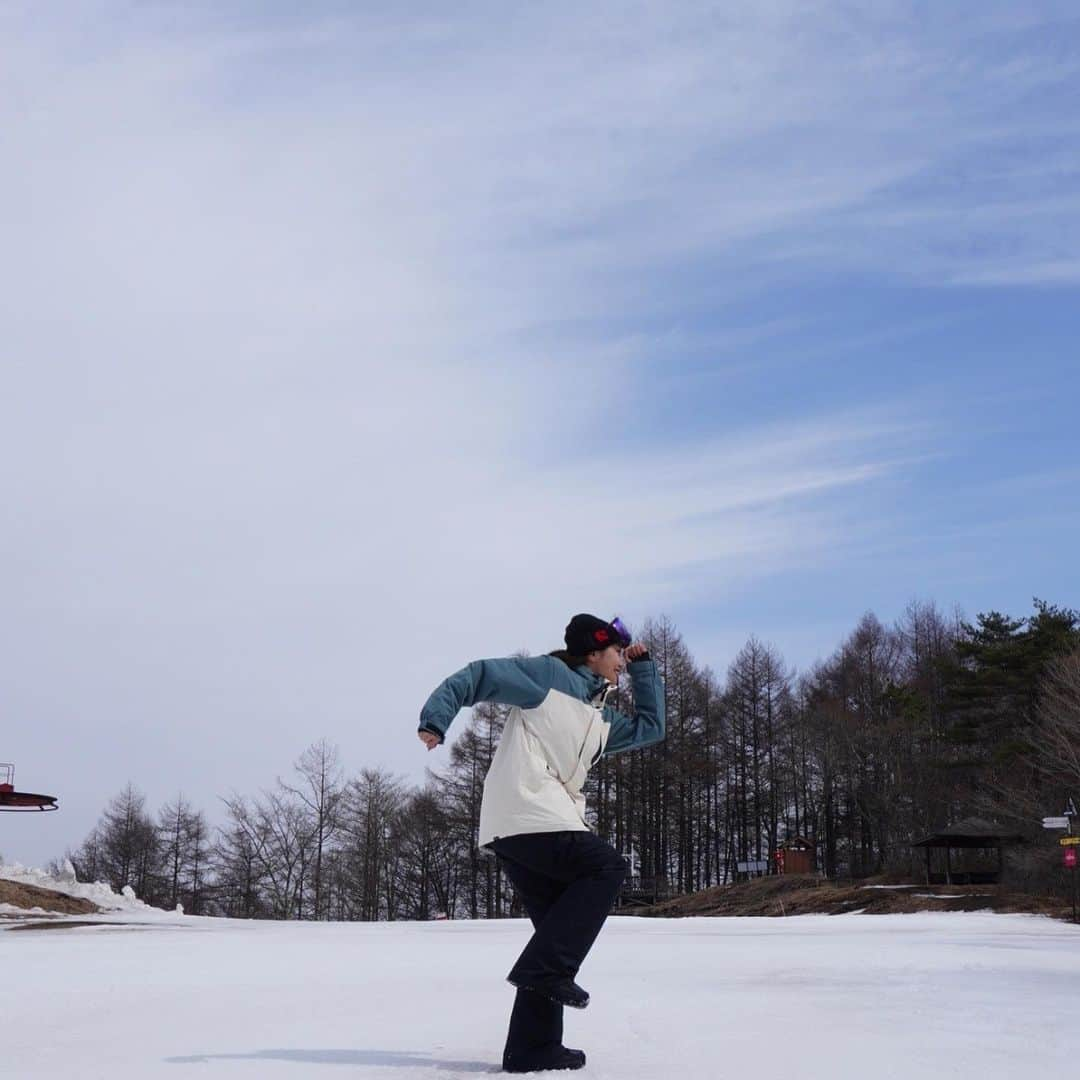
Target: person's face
{"points": [[608, 663]]}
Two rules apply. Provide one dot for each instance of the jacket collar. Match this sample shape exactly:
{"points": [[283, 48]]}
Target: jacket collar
{"points": [[598, 686]]}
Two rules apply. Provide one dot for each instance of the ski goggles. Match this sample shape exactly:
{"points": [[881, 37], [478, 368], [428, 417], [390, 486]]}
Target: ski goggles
{"points": [[622, 631]]}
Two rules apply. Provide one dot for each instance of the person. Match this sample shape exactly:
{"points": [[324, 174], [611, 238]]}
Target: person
{"points": [[532, 815]]}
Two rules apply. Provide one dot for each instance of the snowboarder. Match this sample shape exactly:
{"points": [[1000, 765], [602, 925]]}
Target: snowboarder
{"points": [[532, 815]]}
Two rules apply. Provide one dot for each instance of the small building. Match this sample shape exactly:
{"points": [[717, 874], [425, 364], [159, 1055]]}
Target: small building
{"points": [[795, 855], [982, 843]]}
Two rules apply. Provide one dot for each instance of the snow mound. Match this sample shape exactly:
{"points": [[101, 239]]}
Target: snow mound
{"points": [[66, 883]]}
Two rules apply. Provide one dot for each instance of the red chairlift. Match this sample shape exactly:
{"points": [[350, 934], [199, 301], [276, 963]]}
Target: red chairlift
{"points": [[10, 799]]}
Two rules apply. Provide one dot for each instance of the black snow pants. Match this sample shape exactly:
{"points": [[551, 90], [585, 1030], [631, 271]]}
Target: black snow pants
{"points": [[567, 882]]}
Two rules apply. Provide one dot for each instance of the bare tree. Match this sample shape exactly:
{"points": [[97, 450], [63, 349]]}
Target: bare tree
{"points": [[181, 836], [321, 793], [239, 863], [373, 802], [287, 831]]}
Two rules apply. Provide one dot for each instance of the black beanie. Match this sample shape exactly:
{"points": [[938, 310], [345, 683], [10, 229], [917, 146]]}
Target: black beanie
{"points": [[587, 633]]}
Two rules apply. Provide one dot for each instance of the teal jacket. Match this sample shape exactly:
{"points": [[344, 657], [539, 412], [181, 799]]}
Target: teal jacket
{"points": [[526, 683]]}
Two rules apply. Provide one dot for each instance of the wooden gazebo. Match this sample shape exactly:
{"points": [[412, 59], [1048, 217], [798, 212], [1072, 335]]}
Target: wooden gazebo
{"points": [[969, 833]]}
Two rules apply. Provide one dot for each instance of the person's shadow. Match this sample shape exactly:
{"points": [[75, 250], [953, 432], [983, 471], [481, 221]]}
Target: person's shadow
{"points": [[347, 1057]]}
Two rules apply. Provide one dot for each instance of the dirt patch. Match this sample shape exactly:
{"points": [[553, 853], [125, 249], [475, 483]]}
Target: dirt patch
{"points": [[30, 896], [808, 895]]}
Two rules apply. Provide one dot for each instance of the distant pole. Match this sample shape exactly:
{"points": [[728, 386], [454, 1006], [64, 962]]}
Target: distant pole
{"points": [[1070, 816], [1072, 874]]}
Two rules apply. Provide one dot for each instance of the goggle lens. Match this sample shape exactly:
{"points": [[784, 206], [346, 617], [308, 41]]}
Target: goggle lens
{"points": [[622, 630]]}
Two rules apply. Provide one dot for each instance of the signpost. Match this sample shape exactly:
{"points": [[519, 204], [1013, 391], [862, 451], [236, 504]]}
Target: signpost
{"points": [[1068, 844], [760, 866]]}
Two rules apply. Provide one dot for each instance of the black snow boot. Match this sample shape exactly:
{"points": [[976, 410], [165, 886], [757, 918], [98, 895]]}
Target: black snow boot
{"points": [[555, 1057], [561, 991]]}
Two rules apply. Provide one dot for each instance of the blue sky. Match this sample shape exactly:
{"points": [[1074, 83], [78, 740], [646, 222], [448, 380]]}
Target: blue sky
{"points": [[345, 346]]}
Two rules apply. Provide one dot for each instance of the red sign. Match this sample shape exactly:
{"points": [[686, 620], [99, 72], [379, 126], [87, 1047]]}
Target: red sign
{"points": [[1070, 857]]}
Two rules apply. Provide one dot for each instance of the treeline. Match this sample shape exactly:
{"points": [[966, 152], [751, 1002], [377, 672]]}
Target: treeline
{"points": [[904, 729]]}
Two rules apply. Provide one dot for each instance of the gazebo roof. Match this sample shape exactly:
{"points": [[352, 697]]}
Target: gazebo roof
{"points": [[971, 832]]}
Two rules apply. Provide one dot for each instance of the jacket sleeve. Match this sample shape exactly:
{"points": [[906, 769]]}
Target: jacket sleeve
{"points": [[646, 726], [518, 680]]}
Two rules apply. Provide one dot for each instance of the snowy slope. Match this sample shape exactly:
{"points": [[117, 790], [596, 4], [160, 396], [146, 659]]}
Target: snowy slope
{"points": [[845, 998], [96, 892]]}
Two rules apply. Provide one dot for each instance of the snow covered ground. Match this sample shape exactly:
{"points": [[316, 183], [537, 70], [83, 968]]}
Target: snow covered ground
{"points": [[840, 997]]}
